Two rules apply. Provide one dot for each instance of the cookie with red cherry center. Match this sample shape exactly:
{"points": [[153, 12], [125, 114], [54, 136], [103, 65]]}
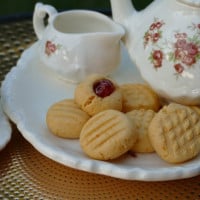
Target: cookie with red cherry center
{"points": [[98, 93]]}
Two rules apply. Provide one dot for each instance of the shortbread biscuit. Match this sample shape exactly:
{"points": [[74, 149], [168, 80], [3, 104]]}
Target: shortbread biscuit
{"points": [[196, 108], [142, 119], [139, 96], [175, 133], [108, 135], [90, 102], [66, 119]]}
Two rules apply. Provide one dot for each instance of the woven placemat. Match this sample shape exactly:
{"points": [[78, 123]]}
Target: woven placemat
{"points": [[27, 174]]}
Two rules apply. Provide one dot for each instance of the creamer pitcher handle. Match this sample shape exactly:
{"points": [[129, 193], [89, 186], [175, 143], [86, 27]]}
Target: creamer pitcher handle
{"points": [[38, 17]]}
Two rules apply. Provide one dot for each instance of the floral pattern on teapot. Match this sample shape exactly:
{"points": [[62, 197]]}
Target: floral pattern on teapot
{"points": [[154, 32], [183, 53]]}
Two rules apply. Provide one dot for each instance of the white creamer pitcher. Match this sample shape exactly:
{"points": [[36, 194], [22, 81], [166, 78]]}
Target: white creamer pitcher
{"points": [[77, 43]]}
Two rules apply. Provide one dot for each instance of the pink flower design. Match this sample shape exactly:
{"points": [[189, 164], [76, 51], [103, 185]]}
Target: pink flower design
{"points": [[147, 38], [180, 35], [179, 68], [189, 60], [159, 24], [152, 27], [50, 48], [155, 37], [183, 53], [180, 43], [179, 54], [153, 34], [192, 49], [157, 57]]}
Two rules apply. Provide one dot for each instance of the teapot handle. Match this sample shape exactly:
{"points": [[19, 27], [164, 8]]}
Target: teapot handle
{"points": [[38, 17]]}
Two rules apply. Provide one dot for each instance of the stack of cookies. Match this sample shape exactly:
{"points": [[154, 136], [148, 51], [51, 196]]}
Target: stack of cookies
{"points": [[110, 120]]}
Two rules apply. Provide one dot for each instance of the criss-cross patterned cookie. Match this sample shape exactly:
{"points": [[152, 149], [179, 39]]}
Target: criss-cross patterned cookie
{"points": [[175, 133], [142, 119]]}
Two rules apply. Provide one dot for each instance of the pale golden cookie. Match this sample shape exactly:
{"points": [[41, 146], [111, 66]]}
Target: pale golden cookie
{"points": [[90, 102], [142, 119], [175, 133], [66, 119], [107, 135], [139, 96], [196, 108]]}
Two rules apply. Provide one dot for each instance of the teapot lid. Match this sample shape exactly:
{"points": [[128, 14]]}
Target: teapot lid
{"points": [[195, 3]]}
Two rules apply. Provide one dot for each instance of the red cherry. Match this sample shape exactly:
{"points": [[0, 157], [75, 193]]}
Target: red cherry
{"points": [[103, 88]]}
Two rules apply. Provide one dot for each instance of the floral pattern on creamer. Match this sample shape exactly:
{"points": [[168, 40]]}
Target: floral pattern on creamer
{"points": [[183, 52], [50, 48]]}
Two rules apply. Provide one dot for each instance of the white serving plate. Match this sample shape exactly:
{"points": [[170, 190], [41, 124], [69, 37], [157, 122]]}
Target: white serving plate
{"points": [[5, 129], [28, 91]]}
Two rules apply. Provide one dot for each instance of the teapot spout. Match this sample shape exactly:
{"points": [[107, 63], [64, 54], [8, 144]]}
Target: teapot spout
{"points": [[121, 10]]}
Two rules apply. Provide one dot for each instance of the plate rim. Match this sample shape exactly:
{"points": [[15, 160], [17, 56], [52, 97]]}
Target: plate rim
{"points": [[5, 129]]}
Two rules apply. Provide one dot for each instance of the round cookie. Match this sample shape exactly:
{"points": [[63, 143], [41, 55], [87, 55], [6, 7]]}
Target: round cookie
{"points": [[142, 119], [175, 133], [197, 109], [108, 135], [65, 119], [97, 93], [139, 96]]}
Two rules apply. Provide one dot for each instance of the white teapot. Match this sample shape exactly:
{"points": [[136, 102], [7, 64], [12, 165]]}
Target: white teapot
{"points": [[163, 41]]}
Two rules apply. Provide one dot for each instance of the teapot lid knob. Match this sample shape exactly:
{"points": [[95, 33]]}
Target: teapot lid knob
{"points": [[195, 3]]}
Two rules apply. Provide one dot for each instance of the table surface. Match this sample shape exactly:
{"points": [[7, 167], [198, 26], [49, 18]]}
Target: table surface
{"points": [[27, 174]]}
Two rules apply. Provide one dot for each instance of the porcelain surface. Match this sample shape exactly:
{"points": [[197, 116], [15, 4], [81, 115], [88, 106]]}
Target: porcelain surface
{"points": [[43, 89], [163, 41], [77, 43]]}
